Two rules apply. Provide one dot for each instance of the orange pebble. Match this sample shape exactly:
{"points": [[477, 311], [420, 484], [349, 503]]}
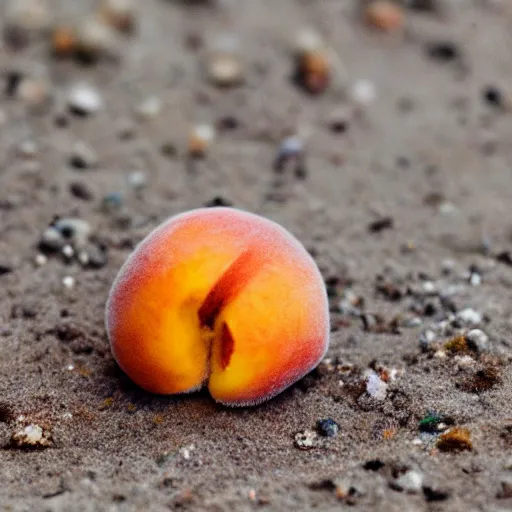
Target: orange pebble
{"points": [[64, 41], [223, 298], [314, 71], [385, 15]]}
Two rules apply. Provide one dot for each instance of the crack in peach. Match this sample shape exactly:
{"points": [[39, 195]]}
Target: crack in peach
{"points": [[227, 287]]}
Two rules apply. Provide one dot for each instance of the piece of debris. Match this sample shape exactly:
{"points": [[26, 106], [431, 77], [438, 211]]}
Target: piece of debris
{"points": [[31, 436], [327, 427], [306, 440], [455, 440]]}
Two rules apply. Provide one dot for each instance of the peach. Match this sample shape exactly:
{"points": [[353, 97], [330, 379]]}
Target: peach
{"points": [[221, 297]]}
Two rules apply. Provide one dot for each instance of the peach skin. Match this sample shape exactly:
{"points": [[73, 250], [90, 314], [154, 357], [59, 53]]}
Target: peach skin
{"points": [[218, 297]]}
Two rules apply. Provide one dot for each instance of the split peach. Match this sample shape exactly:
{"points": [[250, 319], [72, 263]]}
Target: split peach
{"points": [[221, 297]]}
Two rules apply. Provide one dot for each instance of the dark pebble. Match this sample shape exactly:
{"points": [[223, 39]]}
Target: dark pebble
{"points": [[443, 51], [81, 191], [61, 121], [431, 6], [228, 123], [5, 269], [339, 126], [218, 201], [301, 172], [504, 257], [97, 256], [327, 427], [492, 95], [380, 225], [432, 494], [169, 150], [373, 465], [13, 80]]}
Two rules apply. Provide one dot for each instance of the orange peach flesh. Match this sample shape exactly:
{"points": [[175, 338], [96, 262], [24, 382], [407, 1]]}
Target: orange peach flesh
{"points": [[220, 296]]}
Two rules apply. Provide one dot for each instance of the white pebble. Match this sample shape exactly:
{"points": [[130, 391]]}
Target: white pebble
{"points": [[412, 481], [364, 92], [475, 279], [30, 435], [224, 70], [305, 440], [41, 260], [469, 316], [477, 340], [68, 251], [204, 133], [137, 180], [463, 362], [68, 282], [185, 451], [376, 387], [307, 40], [149, 109], [85, 99]]}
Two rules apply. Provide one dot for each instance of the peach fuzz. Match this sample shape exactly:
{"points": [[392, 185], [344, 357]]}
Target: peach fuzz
{"points": [[221, 297]]}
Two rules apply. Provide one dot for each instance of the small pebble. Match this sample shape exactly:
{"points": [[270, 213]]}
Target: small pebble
{"points": [[385, 15], [364, 92], [68, 282], [96, 39], [327, 427], [376, 387], [149, 109], [493, 97], [463, 362], [28, 149], [63, 41], [51, 240], [40, 260], [475, 279], [200, 139], [81, 191], [306, 440], [312, 61], [74, 230], [411, 482], [112, 202], [443, 51], [35, 92], [137, 180], [68, 251], [83, 156], [307, 40], [31, 436], [225, 70], [381, 224], [455, 440], [505, 491], [93, 256], [291, 149], [477, 340], [84, 100], [186, 451], [469, 316], [119, 14]]}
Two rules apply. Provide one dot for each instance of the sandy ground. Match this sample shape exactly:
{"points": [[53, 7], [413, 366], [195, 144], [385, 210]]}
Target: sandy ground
{"points": [[429, 152]]}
